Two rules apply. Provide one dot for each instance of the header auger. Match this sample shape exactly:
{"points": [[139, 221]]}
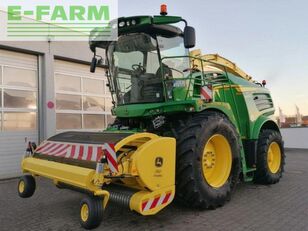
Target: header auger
{"points": [[187, 126]]}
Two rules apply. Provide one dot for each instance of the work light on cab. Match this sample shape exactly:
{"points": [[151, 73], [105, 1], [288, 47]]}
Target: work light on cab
{"points": [[163, 9]]}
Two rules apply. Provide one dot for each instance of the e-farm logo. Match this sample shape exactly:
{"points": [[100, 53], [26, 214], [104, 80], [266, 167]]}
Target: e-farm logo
{"points": [[58, 20], [75, 13]]}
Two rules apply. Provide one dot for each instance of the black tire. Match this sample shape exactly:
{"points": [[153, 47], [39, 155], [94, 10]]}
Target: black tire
{"points": [[263, 174], [95, 212], [192, 188], [26, 186]]}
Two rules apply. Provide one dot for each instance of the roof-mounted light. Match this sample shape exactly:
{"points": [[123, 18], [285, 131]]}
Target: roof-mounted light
{"points": [[163, 9]]}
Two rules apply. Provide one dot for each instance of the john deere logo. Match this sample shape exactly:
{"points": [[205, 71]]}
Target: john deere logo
{"points": [[159, 161]]}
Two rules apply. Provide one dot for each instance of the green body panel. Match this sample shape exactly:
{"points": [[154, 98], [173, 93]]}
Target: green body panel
{"points": [[235, 98], [166, 19], [250, 117], [260, 122], [150, 109], [172, 107]]}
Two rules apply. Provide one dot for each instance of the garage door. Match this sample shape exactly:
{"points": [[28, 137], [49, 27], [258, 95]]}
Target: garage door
{"points": [[83, 101], [18, 108]]}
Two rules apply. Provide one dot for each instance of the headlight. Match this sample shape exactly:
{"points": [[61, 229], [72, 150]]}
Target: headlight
{"points": [[121, 24]]}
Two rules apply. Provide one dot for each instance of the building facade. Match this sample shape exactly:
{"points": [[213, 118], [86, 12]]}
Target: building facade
{"points": [[46, 88]]}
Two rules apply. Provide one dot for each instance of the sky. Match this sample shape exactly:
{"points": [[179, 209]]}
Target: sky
{"points": [[267, 39]]}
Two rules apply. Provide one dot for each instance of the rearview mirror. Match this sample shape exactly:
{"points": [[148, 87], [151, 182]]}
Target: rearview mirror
{"points": [[93, 64], [189, 37]]}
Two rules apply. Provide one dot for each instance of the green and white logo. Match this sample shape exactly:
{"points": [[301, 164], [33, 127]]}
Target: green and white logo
{"points": [[57, 20]]}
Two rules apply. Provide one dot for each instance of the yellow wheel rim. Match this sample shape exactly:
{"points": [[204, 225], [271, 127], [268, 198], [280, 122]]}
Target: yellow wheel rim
{"points": [[216, 161], [84, 213], [21, 186], [274, 157]]}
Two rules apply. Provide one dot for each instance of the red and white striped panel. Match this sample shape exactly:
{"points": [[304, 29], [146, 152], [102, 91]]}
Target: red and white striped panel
{"points": [[88, 152], [207, 92], [111, 157], [157, 201]]}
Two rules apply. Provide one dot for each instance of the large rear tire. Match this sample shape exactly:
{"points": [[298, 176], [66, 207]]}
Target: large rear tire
{"points": [[208, 161], [270, 157]]}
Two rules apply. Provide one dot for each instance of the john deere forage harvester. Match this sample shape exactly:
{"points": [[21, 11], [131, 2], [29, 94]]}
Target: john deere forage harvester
{"points": [[187, 126]]}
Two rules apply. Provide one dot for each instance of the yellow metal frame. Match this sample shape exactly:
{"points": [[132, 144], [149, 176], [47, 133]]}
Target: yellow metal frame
{"points": [[220, 61], [72, 175]]}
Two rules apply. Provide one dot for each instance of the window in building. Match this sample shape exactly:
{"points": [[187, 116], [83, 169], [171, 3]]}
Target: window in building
{"points": [[110, 119], [93, 86], [19, 121], [68, 121], [68, 102], [0, 75], [67, 83], [20, 77], [82, 101], [93, 121], [108, 104], [18, 99], [93, 103]]}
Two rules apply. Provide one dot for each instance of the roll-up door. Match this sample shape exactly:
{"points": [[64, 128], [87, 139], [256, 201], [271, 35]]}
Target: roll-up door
{"points": [[18, 108]]}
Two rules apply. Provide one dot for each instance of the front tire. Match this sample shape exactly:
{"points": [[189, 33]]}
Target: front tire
{"points": [[208, 161], [270, 157], [26, 186], [91, 212]]}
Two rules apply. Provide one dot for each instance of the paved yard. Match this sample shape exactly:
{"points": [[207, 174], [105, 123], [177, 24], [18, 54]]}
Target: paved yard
{"points": [[283, 206]]}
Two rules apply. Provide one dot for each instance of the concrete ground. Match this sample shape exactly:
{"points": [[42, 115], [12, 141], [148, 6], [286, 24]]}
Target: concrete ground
{"points": [[283, 206]]}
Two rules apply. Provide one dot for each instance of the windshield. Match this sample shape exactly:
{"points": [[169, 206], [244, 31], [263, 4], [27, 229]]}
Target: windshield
{"points": [[136, 70]]}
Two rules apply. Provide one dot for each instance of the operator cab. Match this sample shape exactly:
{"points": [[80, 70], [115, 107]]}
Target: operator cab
{"points": [[141, 69], [137, 70]]}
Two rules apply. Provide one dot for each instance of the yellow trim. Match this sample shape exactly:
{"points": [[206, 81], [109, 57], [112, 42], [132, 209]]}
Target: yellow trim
{"points": [[274, 157], [239, 89], [145, 136], [84, 212], [21, 186], [216, 161], [215, 60]]}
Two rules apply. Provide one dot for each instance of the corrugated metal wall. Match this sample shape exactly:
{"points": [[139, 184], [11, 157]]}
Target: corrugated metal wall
{"points": [[12, 149], [19, 77]]}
